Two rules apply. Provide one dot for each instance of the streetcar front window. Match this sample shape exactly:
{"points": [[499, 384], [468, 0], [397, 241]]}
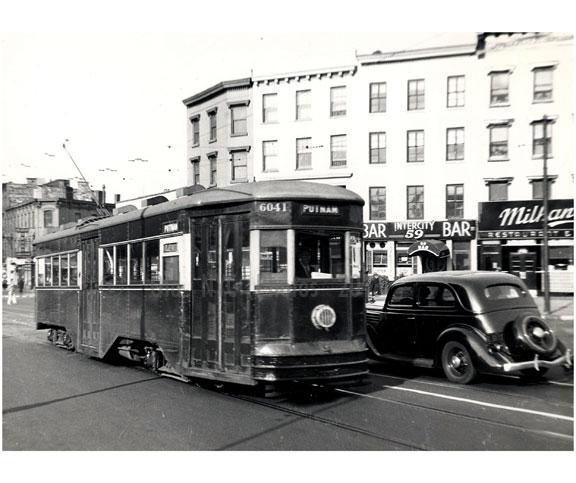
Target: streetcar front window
{"points": [[273, 256], [320, 255]]}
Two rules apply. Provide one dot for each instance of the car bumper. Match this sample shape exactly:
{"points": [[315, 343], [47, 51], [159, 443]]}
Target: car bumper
{"points": [[565, 360]]}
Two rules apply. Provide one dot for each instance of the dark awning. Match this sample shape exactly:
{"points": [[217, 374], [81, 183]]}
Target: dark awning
{"points": [[435, 247]]}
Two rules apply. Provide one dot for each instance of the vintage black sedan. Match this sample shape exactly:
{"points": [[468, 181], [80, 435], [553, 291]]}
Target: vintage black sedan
{"points": [[465, 323]]}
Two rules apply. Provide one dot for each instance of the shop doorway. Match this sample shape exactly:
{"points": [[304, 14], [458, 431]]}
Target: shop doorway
{"points": [[523, 264]]}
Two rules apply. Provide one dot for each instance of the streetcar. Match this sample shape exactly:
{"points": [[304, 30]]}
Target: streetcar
{"points": [[253, 284]]}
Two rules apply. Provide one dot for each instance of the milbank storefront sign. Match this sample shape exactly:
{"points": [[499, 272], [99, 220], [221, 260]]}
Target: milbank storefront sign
{"points": [[524, 219], [416, 229]]}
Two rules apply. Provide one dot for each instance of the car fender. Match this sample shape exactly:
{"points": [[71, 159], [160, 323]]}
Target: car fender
{"points": [[485, 360]]}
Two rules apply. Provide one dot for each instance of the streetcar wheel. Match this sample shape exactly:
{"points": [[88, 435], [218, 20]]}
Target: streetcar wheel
{"points": [[457, 363]]}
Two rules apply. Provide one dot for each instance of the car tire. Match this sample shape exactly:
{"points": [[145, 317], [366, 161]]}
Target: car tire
{"points": [[458, 363], [531, 334]]}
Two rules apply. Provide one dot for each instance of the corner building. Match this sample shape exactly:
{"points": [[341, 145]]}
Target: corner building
{"points": [[439, 142]]}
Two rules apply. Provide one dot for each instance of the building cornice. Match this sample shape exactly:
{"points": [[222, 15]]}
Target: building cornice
{"points": [[417, 54], [328, 72], [217, 89]]}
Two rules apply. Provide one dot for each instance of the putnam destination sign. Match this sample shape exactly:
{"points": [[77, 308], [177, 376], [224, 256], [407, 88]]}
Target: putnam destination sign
{"points": [[416, 229], [524, 219]]}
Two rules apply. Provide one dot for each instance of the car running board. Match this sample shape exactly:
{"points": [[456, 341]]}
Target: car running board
{"points": [[418, 362]]}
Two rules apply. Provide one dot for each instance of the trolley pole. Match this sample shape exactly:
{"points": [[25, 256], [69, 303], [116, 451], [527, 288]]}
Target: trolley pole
{"points": [[545, 121]]}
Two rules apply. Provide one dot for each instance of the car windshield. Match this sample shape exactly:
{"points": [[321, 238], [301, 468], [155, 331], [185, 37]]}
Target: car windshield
{"points": [[503, 292]]}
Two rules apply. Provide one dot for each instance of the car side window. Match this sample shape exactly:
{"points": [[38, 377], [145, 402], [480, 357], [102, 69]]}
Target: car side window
{"points": [[435, 295], [403, 295]]}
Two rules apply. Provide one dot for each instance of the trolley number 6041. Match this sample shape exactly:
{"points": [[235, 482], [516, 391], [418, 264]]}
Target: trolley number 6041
{"points": [[273, 207]]}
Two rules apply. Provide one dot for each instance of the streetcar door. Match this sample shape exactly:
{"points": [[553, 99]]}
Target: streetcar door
{"points": [[235, 263], [90, 297], [220, 336]]}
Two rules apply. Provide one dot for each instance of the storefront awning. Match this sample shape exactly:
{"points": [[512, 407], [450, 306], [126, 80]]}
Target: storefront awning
{"points": [[435, 247]]}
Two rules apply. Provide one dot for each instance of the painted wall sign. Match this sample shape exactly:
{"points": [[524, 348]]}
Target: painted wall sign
{"points": [[524, 219], [415, 230]]}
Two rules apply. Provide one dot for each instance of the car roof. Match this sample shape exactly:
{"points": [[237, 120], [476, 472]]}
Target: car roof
{"points": [[462, 277]]}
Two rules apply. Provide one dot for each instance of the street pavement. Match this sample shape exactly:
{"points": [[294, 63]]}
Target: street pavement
{"points": [[59, 400]]}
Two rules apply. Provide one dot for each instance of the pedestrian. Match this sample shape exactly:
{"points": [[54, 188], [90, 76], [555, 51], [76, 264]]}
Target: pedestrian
{"points": [[20, 285], [12, 287]]}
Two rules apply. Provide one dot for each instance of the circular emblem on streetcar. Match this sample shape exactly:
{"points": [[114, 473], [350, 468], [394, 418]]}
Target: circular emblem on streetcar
{"points": [[323, 317]]}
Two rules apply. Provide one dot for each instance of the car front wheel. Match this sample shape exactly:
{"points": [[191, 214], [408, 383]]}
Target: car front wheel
{"points": [[457, 363]]}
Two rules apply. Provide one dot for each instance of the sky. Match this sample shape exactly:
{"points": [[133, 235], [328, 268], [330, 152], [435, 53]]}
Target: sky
{"points": [[113, 98]]}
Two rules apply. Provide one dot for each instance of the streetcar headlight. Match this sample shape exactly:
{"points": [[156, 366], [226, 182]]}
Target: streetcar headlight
{"points": [[323, 317]]}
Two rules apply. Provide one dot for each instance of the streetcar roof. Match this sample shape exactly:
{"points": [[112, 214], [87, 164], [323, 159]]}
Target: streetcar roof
{"points": [[238, 193]]}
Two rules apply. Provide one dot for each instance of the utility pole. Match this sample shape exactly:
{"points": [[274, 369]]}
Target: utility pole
{"points": [[546, 275]]}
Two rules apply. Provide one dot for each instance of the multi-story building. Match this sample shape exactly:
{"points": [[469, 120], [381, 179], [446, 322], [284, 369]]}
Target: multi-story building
{"points": [[444, 143], [36, 208], [219, 134]]}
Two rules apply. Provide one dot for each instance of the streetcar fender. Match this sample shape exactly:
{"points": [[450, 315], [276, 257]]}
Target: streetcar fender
{"points": [[485, 359]]}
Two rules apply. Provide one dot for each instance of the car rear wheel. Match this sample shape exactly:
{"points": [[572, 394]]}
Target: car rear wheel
{"points": [[457, 363]]}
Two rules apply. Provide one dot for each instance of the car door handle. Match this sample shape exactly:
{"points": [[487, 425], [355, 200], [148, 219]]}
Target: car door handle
{"points": [[411, 318]]}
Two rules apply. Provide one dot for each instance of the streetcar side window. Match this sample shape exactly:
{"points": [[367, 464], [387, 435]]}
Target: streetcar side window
{"points": [[121, 264], [170, 263], [55, 271], [73, 269], [356, 255], [108, 266], [273, 256], [64, 270], [152, 262], [48, 278], [40, 271], [136, 272]]}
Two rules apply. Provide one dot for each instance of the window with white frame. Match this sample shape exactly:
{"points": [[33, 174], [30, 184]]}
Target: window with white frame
{"points": [[456, 91], [303, 105], [239, 165], [212, 120], [454, 201], [338, 151], [415, 146], [498, 190], [541, 134], [377, 203], [269, 108], [213, 160], [499, 88], [270, 156], [543, 84], [195, 170], [195, 122], [416, 94], [378, 97], [377, 147], [303, 153], [57, 270], [455, 144], [338, 101], [415, 202], [239, 116], [498, 141]]}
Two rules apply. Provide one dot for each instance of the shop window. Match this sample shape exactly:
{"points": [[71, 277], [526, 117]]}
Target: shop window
{"points": [[402, 258], [461, 255], [273, 256], [380, 258], [562, 258]]}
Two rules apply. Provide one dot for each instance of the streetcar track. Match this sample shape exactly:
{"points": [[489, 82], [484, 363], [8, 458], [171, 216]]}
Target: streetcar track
{"points": [[315, 418]]}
